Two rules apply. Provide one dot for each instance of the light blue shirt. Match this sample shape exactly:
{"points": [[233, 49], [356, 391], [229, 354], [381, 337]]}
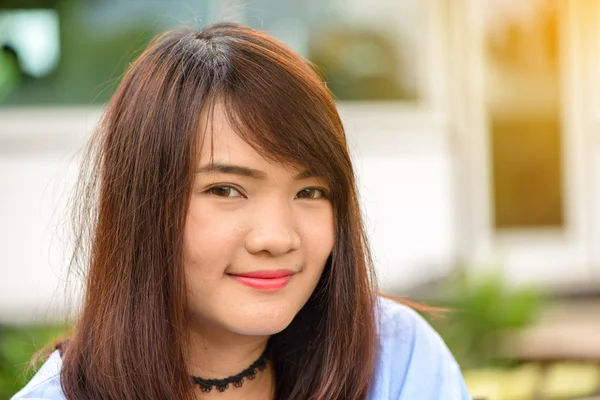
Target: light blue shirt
{"points": [[414, 363]]}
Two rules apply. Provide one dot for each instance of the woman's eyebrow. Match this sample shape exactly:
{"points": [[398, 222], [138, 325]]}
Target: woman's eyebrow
{"points": [[245, 171]]}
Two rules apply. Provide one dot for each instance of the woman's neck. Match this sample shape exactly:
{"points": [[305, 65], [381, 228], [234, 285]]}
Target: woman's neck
{"points": [[218, 355]]}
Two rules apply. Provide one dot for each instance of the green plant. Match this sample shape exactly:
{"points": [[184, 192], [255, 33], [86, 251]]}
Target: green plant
{"points": [[17, 346], [483, 308]]}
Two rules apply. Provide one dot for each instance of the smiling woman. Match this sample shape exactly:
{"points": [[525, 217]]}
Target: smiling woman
{"points": [[257, 237], [225, 253]]}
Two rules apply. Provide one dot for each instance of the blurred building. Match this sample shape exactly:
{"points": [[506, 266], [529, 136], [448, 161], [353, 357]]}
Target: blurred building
{"points": [[472, 124]]}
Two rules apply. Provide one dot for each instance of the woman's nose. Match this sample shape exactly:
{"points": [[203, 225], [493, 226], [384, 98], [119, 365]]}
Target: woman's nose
{"points": [[274, 230]]}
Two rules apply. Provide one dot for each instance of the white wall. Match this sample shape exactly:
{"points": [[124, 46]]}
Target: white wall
{"points": [[402, 157], [37, 170], [406, 180]]}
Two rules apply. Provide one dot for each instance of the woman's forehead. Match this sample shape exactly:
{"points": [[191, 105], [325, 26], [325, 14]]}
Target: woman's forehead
{"points": [[222, 145], [228, 153]]}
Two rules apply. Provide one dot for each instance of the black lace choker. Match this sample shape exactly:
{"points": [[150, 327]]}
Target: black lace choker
{"points": [[237, 380]]}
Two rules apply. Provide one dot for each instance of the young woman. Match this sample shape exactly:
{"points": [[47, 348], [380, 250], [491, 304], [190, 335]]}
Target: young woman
{"points": [[223, 239]]}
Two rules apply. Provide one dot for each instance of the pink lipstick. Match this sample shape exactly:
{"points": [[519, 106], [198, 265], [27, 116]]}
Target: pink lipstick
{"points": [[268, 281]]}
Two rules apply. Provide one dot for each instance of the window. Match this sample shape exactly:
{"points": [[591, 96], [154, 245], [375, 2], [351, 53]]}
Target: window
{"points": [[522, 72]]}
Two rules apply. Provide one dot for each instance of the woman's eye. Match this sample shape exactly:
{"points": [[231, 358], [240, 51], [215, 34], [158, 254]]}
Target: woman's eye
{"points": [[311, 193], [224, 191]]}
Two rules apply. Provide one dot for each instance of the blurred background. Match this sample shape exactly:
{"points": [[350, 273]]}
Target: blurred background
{"points": [[474, 129]]}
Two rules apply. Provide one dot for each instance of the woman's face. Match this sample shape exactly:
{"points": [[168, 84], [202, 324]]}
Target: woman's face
{"points": [[256, 239]]}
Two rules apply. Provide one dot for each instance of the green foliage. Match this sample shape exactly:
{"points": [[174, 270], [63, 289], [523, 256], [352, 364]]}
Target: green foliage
{"points": [[359, 64], [9, 74], [483, 308], [17, 346], [91, 64]]}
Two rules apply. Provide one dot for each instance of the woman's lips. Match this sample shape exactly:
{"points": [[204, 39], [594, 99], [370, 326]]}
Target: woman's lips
{"points": [[268, 281]]}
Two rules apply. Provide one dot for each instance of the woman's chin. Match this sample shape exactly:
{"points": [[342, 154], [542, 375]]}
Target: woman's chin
{"points": [[263, 324], [248, 318], [265, 328]]}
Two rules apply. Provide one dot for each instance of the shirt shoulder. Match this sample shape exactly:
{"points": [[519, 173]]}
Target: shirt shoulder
{"points": [[413, 360], [45, 385]]}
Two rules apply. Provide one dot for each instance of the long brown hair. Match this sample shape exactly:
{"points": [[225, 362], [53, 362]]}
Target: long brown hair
{"points": [[130, 340]]}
